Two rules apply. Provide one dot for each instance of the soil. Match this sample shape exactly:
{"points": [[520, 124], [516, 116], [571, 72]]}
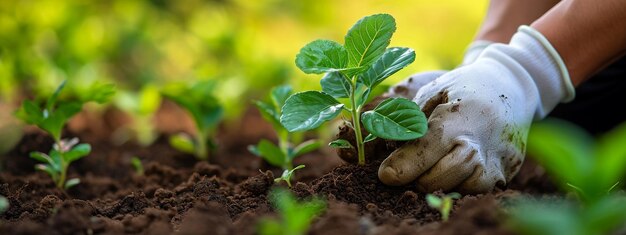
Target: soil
{"points": [[228, 195]]}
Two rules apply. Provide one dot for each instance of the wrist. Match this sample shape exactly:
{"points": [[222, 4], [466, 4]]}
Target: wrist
{"points": [[474, 49], [535, 67]]}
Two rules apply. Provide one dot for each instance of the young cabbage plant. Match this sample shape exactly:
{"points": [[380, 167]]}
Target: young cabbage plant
{"points": [[198, 100], [294, 217], [352, 71], [283, 154], [590, 169], [442, 204], [52, 117]]}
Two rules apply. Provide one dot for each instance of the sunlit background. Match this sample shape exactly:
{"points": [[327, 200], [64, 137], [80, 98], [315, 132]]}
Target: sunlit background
{"points": [[247, 46]]}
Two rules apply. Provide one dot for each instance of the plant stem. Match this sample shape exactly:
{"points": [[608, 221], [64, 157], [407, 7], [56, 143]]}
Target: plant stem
{"points": [[356, 123], [61, 181], [283, 144], [201, 150]]}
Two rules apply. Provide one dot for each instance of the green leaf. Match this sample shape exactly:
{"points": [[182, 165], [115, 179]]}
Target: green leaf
{"points": [[149, 100], [434, 201], [56, 160], [564, 150], [279, 94], [287, 174], [393, 60], [305, 147], [269, 227], [268, 112], [98, 92], [55, 121], [369, 138], [4, 204], [336, 84], [362, 93], [137, 165], [198, 100], [270, 152], [53, 98], [308, 110], [367, 40], [183, 143], [340, 144], [321, 56], [30, 113], [610, 156], [48, 170], [296, 216], [77, 152], [396, 119], [71, 183], [42, 157]]}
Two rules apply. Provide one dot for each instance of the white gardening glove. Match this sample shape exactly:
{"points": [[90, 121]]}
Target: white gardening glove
{"points": [[479, 116]]}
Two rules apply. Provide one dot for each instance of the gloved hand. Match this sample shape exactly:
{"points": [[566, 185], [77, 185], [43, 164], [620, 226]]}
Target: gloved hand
{"points": [[406, 89], [479, 116]]}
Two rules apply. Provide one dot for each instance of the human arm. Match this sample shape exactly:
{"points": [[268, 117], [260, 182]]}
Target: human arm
{"points": [[588, 35]]}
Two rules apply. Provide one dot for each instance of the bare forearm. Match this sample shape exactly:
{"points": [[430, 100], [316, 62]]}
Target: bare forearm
{"points": [[505, 16], [587, 34]]}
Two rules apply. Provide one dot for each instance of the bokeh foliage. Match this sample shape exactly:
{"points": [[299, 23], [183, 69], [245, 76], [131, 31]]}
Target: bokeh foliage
{"points": [[248, 46]]}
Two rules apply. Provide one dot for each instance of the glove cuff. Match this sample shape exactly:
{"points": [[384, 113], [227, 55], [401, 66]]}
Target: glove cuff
{"points": [[530, 54], [473, 51], [570, 92]]}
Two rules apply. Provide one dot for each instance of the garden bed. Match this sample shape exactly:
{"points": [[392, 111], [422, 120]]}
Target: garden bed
{"points": [[178, 194]]}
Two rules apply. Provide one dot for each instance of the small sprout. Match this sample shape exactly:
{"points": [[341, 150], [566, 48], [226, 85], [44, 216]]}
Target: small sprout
{"points": [[294, 217], [287, 174], [283, 154], [442, 204], [353, 70], [206, 112], [136, 162], [4, 204], [52, 118]]}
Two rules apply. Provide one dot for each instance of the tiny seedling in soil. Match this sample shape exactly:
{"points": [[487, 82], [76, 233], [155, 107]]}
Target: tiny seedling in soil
{"points": [[294, 217], [283, 154], [51, 118], [137, 165], [442, 204], [198, 100], [589, 169], [4, 204], [352, 71]]}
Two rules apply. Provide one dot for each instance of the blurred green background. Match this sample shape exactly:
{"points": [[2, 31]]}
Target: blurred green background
{"points": [[248, 46]]}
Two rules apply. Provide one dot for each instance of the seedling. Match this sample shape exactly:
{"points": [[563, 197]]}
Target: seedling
{"points": [[589, 169], [52, 118], [137, 165], [141, 106], [352, 71], [295, 217], [442, 204], [283, 154], [206, 112], [4, 204]]}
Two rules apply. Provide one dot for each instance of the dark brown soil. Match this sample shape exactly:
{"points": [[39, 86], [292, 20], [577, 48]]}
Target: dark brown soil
{"points": [[178, 195]]}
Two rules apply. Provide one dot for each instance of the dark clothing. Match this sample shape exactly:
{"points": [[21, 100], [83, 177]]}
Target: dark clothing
{"points": [[600, 103]]}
